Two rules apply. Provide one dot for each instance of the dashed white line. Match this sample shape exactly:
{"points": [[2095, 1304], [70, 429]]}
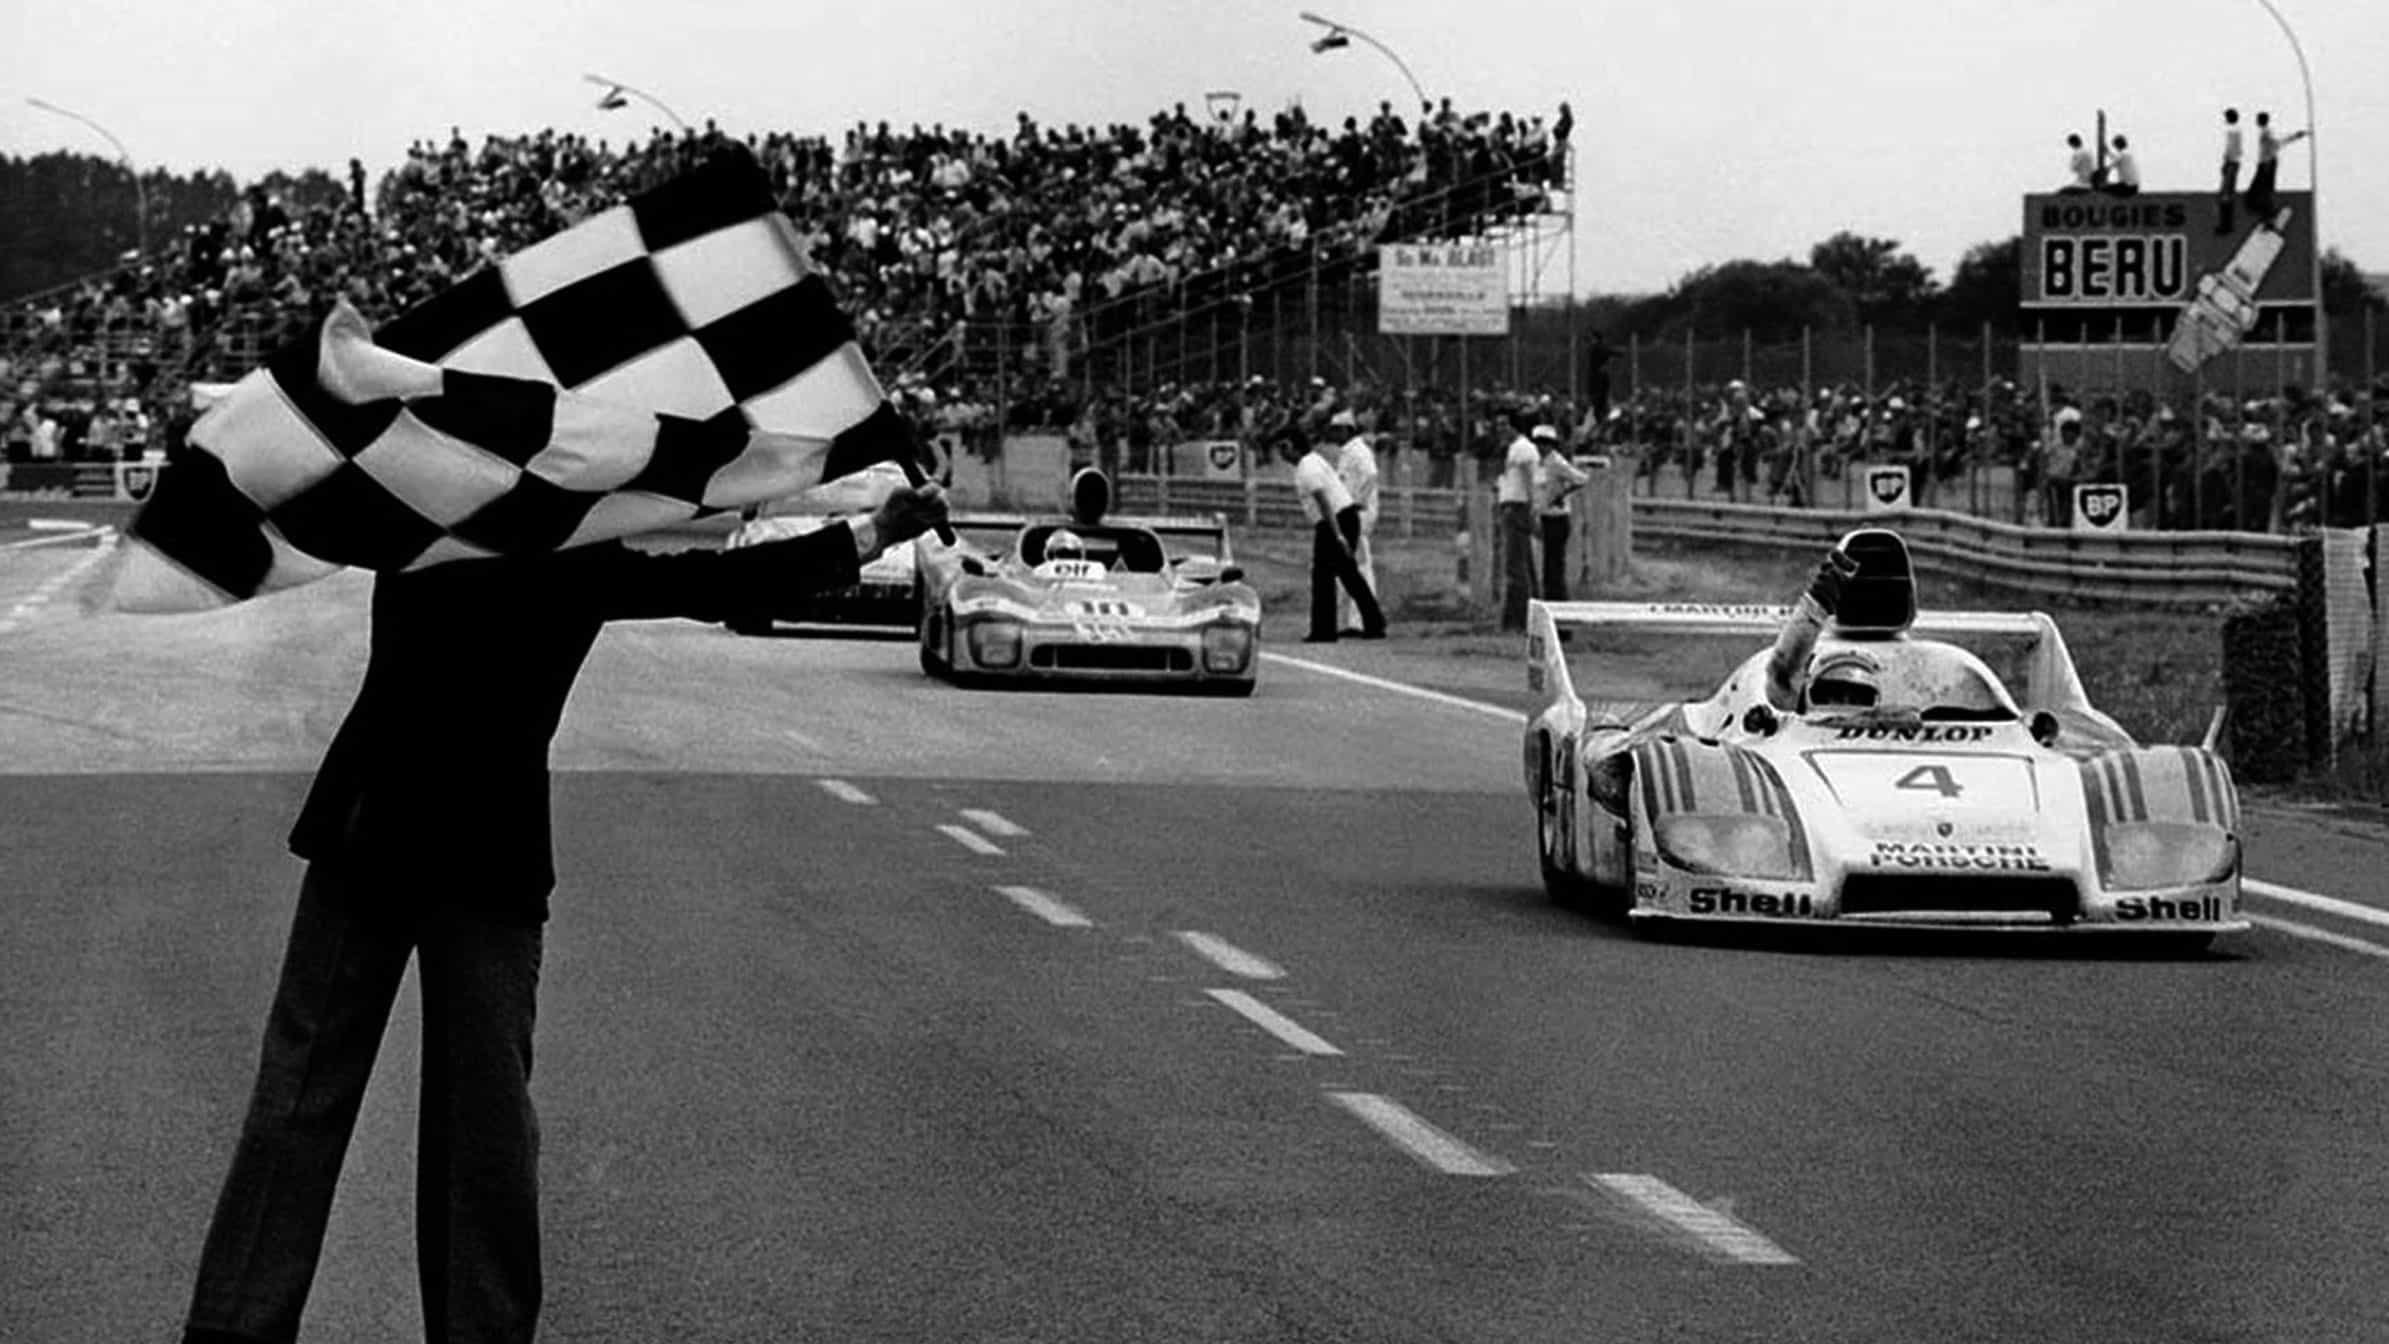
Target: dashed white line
{"points": [[993, 823], [2313, 934], [2329, 905], [1057, 913], [1229, 957], [1718, 1233], [845, 792], [1277, 1024], [970, 839], [1421, 1140]]}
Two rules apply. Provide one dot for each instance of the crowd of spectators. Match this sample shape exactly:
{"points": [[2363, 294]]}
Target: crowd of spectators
{"points": [[918, 230], [2270, 464]]}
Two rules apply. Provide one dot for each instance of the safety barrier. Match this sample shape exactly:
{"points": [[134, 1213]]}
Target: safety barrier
{"points": [[81, 480], [2165, 569]]}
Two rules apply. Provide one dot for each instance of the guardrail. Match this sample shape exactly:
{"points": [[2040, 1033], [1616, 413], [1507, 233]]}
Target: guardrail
{"points": [[2165, 569], [2174, 569]]}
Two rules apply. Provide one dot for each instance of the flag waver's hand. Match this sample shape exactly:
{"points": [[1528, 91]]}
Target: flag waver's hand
{"points": [[907, 512]]}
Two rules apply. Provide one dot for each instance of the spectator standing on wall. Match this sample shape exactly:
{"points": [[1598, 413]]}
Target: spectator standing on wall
{"points": [[1356, 466], [2227, 191], [1514, 507], [1557, 478], [2268, 167]]}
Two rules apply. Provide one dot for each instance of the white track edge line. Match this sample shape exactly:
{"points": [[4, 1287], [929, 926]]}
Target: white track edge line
{"points": [[2313, 934], [845, 792], [2274, 891], [1402, 688]]}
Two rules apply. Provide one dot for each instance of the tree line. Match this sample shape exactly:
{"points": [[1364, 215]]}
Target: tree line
{"points": [[64, 216], [1851, 281]]}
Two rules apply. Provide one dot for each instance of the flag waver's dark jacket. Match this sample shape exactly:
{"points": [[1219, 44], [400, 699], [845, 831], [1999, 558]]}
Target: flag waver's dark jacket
{"points": [[435, 788]]}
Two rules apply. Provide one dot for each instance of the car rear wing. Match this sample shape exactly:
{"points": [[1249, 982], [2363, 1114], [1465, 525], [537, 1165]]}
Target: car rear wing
{"points": [[1182, 535], [2051, 682]]}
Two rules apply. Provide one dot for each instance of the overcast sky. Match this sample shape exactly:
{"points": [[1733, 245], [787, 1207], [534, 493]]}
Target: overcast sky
{"points": [[1708, 129]]}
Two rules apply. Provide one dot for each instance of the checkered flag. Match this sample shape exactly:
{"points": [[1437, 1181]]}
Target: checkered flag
{"points": [[670, 358]]}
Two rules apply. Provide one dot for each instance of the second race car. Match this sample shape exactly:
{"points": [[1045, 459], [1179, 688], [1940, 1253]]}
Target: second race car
{"points": [[1090, 600]]}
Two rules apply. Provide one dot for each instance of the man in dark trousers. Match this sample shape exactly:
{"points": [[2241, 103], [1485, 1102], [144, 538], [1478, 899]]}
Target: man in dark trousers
{"points": [[426, 836], [1335, 537]]}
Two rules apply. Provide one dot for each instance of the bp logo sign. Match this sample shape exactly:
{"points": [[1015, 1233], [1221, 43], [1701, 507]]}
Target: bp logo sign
{"points": [[1223, 454], [1886, 489], [2101, 508]]}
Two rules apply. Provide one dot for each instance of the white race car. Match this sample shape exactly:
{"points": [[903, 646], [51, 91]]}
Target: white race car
{"points": [[1902, 785], [885, 594]]}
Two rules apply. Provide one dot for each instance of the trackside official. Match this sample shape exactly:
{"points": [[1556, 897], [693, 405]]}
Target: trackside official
{"points": [[1356, 465], [426, 836], [1557, 478], [1335, 532]]}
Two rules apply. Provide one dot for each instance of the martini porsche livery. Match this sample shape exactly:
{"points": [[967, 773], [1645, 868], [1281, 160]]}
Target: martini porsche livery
{"points": [[1902, 783], [1089, 600], [884, 594]]}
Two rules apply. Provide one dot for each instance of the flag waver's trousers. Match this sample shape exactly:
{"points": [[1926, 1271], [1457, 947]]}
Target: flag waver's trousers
{"points": [[476, 1172]]}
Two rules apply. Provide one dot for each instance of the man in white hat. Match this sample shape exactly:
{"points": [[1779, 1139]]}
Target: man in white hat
{"points": [[1556, 478], [1356, 464]]}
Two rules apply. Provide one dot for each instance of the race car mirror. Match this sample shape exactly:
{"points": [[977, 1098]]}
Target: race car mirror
{"points": [[1231, 574], [974, 567], [1759, 721]]}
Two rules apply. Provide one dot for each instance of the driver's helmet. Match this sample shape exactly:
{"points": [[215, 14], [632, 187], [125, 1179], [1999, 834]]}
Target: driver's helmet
{"points": [[1844, 679], [1064, 544]]}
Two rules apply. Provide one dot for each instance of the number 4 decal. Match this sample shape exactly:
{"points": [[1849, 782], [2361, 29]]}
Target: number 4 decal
{"points": [[1933, 777]]}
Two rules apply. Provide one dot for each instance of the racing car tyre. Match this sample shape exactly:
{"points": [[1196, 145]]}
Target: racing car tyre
{"points": [[1568, 891]]}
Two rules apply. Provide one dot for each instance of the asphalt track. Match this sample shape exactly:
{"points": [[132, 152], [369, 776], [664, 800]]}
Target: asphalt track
{"points": [[877, 1010]]}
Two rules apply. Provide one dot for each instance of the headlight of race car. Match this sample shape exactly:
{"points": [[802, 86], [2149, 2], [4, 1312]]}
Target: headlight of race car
{"points": [[1226, 648], [2145, 854], [994, 644], [1731, 846]]}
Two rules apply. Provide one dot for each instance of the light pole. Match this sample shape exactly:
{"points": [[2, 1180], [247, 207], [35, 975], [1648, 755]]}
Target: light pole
{"points": [[2314, 197], [140, 193], [1339, 35], [615, 88]]}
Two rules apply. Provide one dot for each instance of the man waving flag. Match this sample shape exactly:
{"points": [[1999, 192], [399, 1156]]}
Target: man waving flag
{"points": [[672, 357]]}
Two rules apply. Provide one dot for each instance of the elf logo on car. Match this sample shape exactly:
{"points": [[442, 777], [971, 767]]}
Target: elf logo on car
{"points": [[1720, 901], [1976, 733], [2204, 909]]}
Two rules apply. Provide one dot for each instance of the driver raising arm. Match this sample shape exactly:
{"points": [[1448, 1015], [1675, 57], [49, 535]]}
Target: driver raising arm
{"points": [[1798, 638]]}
